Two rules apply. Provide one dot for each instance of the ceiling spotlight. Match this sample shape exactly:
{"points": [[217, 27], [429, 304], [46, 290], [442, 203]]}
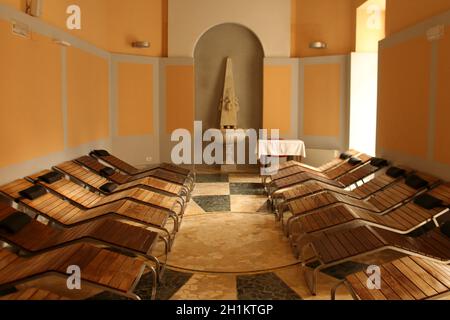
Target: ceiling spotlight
{"points": [[141, 44], [318, 45]]}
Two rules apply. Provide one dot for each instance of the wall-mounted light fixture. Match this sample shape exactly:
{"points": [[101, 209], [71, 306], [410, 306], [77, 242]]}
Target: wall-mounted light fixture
{"points": [[140, 44], [62, 43], [318, 45]]}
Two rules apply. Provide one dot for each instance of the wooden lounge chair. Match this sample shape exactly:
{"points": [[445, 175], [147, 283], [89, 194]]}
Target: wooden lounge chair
{"points": [[101, 269], [126, 182], [335, 248], [32, 294], [36, 238], [331, 174], [380, 202], [100, 185], [409, 278], [403, 220], [331, 170], [131, 170], [381, 181], [90, 200], [344, 181], [66, 214], [162, 170], [323, 168]]}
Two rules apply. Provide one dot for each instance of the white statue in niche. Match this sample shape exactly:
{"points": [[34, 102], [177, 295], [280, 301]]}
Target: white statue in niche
{"points": [[229, 105]]}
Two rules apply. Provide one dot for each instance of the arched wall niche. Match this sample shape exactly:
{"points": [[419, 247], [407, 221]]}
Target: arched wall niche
{"points": [[210, 55]]}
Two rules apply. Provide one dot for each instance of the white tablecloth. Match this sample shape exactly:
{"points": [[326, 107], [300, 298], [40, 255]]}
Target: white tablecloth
{"points": [[281, 148]]}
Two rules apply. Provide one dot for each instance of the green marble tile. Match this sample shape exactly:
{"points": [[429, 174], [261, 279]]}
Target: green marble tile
{"points": [[251, 189], [266, 286], [214, 203]]}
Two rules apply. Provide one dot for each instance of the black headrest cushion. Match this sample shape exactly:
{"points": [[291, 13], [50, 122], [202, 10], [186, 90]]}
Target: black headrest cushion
{"points": [[107, 172], [395, 172], [445, 228], [108, 187], [379, 162], [100, 153], [345, 156], [33, 193], [354, 161], [15, 222], [428, 202], [51, 177], [416, 182]]}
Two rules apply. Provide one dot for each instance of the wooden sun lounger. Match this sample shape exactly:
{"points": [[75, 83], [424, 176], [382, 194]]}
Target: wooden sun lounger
{"points": [[32, 294], [125, 182], [164, 171], [323, 168], [335, 248], [381, 202], [131, 170], [344, 181], [101, 269], [331, 173], [95, 182], [309, 188], [403, 220], [90, 200], [67, 214], [409, 278], [36, 238]]}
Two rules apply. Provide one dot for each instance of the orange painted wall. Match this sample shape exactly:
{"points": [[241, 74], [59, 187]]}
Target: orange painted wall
{"points": [[94, 27], [322, 100], [87, 97], [112, 24], [403, 102], [442, 150], [332, 21], [135, 99], [133, 20], [277, 98], [180, 107], [30, 97], [401, 14], [18, 4]]}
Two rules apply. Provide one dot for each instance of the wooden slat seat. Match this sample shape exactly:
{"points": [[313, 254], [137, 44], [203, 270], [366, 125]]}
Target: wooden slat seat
{"points": [[334, 248], [409, 278], [101, 268], [121, 178], [90, 200], [164, 171], [385, 199], [37, 238], [361, 192], [348, 179], [294, 167], [403, 220], [95, 181], [33, 294], [331, 174], [67, 214]]}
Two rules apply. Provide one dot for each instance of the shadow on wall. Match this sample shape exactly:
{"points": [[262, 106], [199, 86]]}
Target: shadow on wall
{"points": [[212, 50]]}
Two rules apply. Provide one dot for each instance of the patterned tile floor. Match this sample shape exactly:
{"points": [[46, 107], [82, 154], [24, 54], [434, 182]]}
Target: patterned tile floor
{"points": [[229, 193], [230, 247]]}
